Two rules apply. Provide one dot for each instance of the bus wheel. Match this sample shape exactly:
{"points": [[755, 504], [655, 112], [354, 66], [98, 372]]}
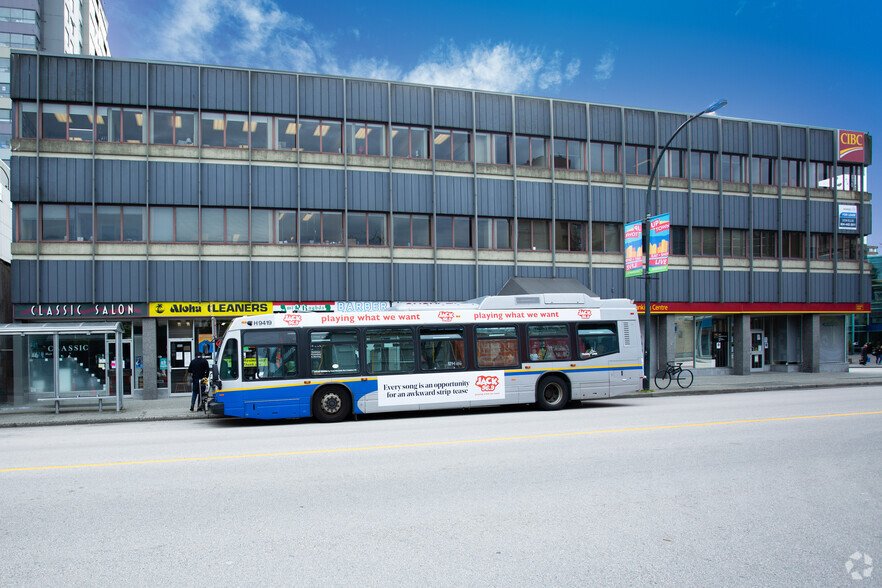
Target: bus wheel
{"points": [[331, 405], [553, 393]]}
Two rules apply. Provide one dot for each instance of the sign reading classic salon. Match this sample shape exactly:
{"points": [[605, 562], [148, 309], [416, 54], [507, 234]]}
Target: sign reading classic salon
{"points": [[160, 309], [80, 311]]}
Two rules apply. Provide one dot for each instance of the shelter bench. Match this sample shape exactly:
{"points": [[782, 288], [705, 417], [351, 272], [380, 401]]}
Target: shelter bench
{"points": [[64, 399]]}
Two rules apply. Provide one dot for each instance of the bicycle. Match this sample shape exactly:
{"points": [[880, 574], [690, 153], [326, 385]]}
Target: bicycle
{"points": [[203, 396], [663, 377]]}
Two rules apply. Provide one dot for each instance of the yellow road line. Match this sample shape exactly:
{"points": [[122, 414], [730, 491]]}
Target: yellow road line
{"points": [[440, 443]]}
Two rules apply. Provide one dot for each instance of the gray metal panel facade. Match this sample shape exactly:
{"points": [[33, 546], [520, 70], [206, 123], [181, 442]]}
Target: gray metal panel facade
{"points": [[411, 105], [367, 101], [866, 218], [321, 97], [606, 204], [368, 191], [491, 278], [736, 286], [65, 281], [533, 116], [639, 127], [23, 281], [173, 280], [823, 145], [274, 280], [455, 195], [765, 213], [609, 282], [534, 200], [23, 178], [121, 281], [173, 86], [412, 193], [322, 281], [706, 285], [705, 133], [606, 123], [705, 210], [24, 78], [534, 271], [453, 109], [793, 217], [794, 287], [120, 83], [735, 137], [370, 281], [793, 143], [765, 140], [575, 273], [273, 93], [765, 286], [572, 202], [174, 184], [821, 287], [677, 203], [736, 212], [65, 79], [848, 287], [456, 282], [493, 112], [414, 281], [570, 120], [65, 180], [224, 89], [225, 280], [822, 217], [225, 185], [673, 286], [120, 181], [320, 189], [495, 197], [273, 187], [667, 126]]}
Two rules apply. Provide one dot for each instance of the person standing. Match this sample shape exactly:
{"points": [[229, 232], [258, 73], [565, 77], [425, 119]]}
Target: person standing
{"points": [[197, 369]]}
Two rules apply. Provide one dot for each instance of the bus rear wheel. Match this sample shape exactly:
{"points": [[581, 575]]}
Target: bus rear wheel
{"points": [[553, 393], [331, 405]]}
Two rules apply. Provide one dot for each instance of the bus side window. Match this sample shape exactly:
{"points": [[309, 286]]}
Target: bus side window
{"points": [[596, 339], [442, 349], [229, 362]]}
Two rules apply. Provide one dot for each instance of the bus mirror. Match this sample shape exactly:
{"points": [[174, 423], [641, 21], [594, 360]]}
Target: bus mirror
{"points": [[216, 377]]}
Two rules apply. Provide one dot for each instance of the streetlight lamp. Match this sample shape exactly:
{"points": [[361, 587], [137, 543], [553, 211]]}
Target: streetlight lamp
{"points": [[646, 299]]}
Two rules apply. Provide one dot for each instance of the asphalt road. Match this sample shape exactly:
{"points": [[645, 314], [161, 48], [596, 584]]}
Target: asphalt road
{"points": [[755, 489]]}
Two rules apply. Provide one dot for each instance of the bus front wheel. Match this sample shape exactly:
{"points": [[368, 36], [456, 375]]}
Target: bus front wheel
{"points": [[331, 405], [553, 393]]}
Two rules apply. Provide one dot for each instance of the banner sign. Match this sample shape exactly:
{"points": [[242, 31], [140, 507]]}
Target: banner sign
{"points": [[634, 249], [848, 217], [79, 311], [160, 309], [851, 146], [286, 307], [755, 308], [440, 388], [659, 243]]}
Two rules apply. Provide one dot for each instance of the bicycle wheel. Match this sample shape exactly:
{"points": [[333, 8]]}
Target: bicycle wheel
{"points": [[684, 378], [662, 379]]}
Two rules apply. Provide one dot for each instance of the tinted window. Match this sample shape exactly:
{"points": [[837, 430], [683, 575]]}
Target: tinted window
{"points": [[269, 355]]}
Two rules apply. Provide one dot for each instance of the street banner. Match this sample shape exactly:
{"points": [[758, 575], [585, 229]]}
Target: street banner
{"points": [[634, 249], [659, 243]]}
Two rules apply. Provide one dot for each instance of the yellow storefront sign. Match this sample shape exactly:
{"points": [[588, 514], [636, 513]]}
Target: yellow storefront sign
{"points": [[160, 309]]}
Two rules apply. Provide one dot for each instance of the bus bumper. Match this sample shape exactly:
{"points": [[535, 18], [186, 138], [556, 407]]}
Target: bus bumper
{"points": [[216, 407]]}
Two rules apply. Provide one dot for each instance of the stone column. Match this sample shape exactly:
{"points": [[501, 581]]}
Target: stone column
{"points": [[148, 344], [811, 343], [741, 344]]}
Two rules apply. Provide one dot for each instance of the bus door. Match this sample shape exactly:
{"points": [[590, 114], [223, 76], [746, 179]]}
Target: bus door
{"points": [[598, 346]]}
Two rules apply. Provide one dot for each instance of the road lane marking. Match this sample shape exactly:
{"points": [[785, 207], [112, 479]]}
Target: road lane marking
{"points": [[437, 443]]}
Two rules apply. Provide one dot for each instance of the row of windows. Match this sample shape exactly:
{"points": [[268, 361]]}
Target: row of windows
{"points": [[171, 127], [273, 354], [737, 243]]}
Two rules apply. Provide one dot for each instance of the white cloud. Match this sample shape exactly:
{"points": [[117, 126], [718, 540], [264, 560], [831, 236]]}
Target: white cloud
{"points": [[604, 68]]}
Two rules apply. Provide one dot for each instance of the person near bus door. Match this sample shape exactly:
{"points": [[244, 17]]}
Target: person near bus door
{"points": [[197, 369]]}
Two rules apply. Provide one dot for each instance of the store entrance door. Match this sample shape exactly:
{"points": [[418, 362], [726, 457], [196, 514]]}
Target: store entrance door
{"points": [[180, 352], [757, 351]]}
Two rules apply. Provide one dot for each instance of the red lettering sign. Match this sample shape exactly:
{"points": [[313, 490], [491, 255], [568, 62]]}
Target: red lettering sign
{"points": [[487, 383], [851, 146], [292, 319], [585, 314], [446, 316]]}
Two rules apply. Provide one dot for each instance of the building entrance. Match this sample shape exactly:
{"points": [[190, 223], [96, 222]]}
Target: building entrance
{"points": [[757, 351], [180, 352]]}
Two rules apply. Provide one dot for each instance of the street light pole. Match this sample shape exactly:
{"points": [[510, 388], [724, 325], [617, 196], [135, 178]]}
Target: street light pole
{"points": [[647, 314]]}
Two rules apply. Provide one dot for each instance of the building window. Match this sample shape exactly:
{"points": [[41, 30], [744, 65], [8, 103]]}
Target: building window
{"points": [[703, 165], [321, 228], [606, 237], [638, 160], [54, 222], [492, 148], [734, 243], [762, 171], [225, 130], [847, 247], [531, 151], [224, 225], [363, 228], [793, 245], [732, 168], [452, 145], [765, 244], [704, 241], [120, 125], [569, 154], [120, 223], [453, 232], [67, 122], [259, 130], [674, 164], [569, 236], [679, 240], [174, 225], [494, 233], [412, 230], [26, 217], [27, 127], [261, 225], [533, 235], [286, 226], [286, 134], [822, 246], [411, 142], [321, 136], [793, 173], [820, 175], [169, 127], [604, 157], [365, 139]]}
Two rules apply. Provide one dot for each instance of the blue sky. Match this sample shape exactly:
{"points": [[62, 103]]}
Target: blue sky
{"points": [[794, 61]]}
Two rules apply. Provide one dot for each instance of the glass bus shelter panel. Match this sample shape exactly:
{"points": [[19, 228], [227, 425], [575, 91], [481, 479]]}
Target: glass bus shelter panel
{"points": [[41, 367], [126, 359], [82, 365]]}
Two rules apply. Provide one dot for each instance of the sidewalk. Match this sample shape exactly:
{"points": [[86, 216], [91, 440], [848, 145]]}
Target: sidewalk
{"points": [[177, 408]]}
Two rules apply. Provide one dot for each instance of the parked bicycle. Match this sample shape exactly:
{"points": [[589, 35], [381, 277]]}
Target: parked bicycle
{"points": [[204, 395], [673, 371]]}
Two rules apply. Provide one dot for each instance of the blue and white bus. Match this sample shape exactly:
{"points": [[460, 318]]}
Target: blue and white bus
{"points": [[547, 349]]}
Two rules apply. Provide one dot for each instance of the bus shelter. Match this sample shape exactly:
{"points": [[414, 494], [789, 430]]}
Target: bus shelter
{"points": [[61, 364]]}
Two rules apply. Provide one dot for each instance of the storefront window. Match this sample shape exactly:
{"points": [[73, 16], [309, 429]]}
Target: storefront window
{"points": [[82, 365], [41, 373], [684, 336]]}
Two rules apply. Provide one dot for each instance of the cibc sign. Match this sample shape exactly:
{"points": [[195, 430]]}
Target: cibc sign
{"points": [[852, 146]]}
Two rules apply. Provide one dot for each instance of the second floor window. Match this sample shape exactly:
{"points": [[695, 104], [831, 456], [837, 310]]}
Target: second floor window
{"points": [[321, 136], [638, 160], [765, 244], [674, 164], [453, 231], [569, 236], [412, 142], [734, 243], [793, 245], [452, 145], [606, 237], [732, 168], [168, 127], [762, 171], [793, 173], [679, 240], [363, 228], [531, 151], [569, 154], [412, 230], [604, 157], [533, 235], [365, 139], [224, 225], [703, 165], [494, 233], [492, 148], [704, 241], [321, 228]]}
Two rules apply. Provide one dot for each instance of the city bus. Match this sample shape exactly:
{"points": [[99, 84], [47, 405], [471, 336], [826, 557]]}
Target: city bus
{"points": [[542, 349]]}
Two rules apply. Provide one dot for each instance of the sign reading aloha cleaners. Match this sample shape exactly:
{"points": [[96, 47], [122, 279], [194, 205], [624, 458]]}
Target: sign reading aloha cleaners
{"points": [[634, 249], [851, 146], [160, 309], [659, 243]]}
